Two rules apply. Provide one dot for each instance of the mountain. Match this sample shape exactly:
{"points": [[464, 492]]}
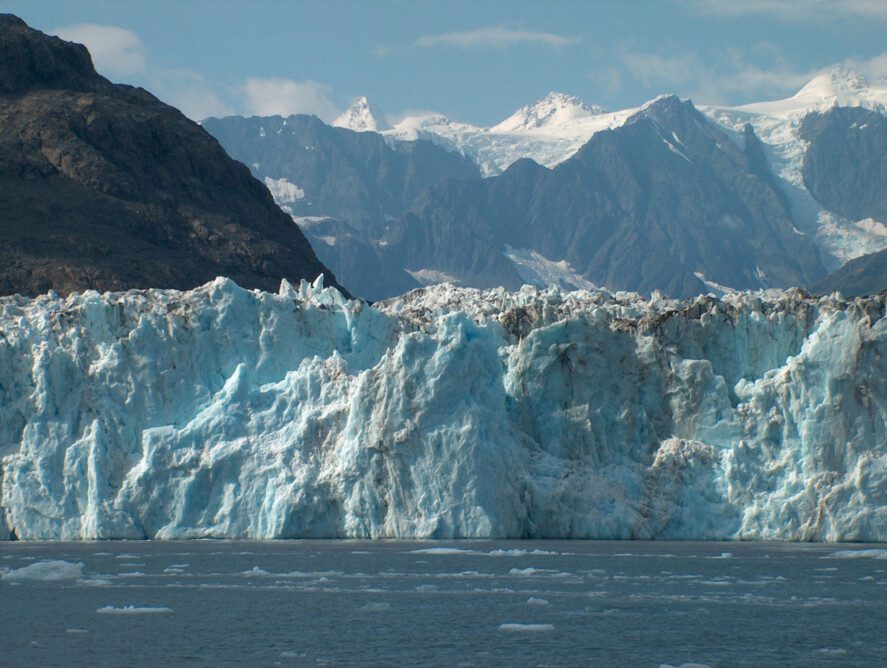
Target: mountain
{"points": [[344, 188], [866, 275], [362, 116], [548, 131], [668, 201], [805, 155], [805, 174], [550, 114], [104, 187]]}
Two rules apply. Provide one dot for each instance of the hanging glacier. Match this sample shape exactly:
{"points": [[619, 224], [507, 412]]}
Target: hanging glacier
{"points": [[447, 412]]}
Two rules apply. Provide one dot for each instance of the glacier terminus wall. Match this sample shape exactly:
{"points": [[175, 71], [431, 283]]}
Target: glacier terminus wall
{"points": [[447, 412]]}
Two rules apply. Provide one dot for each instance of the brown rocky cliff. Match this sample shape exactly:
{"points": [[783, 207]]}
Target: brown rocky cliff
{"points": [[103, 186]]}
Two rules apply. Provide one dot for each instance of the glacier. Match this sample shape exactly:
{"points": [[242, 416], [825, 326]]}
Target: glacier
{"points": [[447, 412]]}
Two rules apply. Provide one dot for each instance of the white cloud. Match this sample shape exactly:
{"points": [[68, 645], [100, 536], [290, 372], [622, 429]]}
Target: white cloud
{"points": [[798, 10], [277, 96], [874, 69], [495, 37], [728, 81], [115, 51], [190, 93]]}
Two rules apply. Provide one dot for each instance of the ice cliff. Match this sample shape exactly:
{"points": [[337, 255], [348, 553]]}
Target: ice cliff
{"points": [[224, 412]]}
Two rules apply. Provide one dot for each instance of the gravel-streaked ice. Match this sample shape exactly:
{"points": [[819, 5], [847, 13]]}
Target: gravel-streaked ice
{"points": [[447, 412]]}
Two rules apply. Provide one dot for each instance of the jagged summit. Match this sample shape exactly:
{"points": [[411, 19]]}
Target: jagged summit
{"points": [[30, 59], [362, 116], [667, 110], [554, 111]]}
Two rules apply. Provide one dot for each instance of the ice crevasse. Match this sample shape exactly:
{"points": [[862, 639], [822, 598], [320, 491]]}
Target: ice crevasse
{"points": [[447, 412]]}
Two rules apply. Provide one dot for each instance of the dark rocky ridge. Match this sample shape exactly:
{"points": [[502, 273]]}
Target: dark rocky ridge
{"points": [[355, 179], [866, 275], [845, 166], [103, 186]]}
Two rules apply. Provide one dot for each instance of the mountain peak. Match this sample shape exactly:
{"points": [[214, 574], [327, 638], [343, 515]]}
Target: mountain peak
{"points": [[555, 110], [838, 82], [31, 59], [837, 87], [362, 116]]}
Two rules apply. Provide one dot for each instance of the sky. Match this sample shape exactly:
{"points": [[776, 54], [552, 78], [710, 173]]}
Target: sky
{"points": [[473, 61]]}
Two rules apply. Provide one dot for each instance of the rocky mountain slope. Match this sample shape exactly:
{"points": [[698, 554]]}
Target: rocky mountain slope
{"points": [[103, 186], [667, 201], [865, 275], [817, 155], [343, 187]]}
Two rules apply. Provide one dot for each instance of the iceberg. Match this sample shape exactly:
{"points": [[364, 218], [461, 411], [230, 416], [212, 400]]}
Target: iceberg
{"points": [[444, 413]]}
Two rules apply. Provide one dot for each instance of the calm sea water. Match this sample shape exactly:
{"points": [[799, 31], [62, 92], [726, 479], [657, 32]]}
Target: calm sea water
{"points": [[442, 603]]}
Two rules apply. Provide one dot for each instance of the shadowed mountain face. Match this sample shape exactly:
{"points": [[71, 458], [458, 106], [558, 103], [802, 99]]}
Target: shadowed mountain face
{"points": [[845, 166], [656, 204], [866, 275], [103, 186], [352, 176], [347, 187]]}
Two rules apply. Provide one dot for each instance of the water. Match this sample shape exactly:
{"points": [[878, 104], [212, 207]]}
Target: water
{"points": [[444, 603]]}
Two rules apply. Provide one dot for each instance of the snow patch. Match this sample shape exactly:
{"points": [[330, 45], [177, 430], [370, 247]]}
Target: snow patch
{"points": [[432, 276], [538, 270], [283, 191]]}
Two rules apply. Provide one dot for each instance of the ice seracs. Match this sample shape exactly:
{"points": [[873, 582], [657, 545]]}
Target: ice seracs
{"points": [[362, 116], [447, 412]]}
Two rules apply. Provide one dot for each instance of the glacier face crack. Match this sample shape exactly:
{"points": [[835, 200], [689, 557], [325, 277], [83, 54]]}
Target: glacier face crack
{"points": [[447, 412]]}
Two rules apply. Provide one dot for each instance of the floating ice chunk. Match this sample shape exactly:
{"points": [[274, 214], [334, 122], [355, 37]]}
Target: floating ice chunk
{"points": [[526, 628], [443, 551], [46, 571], [531, 571], [521, 553], [872, 553], [76, 631], [255, 570], [536, 601], [376, 607], [133, 610], [723, 555]]}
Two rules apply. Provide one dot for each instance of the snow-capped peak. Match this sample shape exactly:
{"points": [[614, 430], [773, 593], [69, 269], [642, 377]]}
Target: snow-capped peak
{"points": [[362, 116], [553, 112], [837, 87], [838, 82]]}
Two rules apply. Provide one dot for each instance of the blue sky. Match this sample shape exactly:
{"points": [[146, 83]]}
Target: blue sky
{"points": [[473, 61]]}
